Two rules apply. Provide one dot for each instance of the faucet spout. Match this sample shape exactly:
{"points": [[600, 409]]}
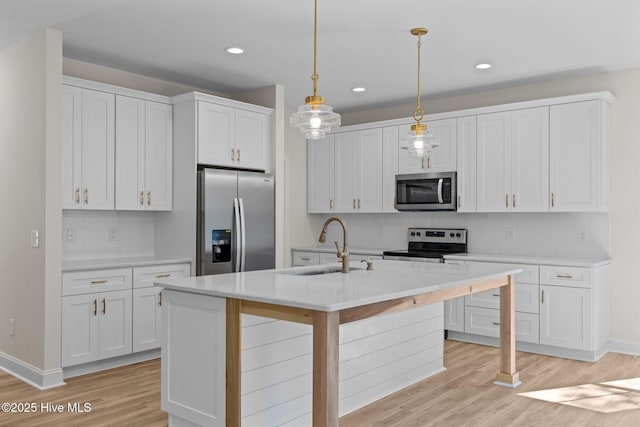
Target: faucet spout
{"points": [[344, 253]]}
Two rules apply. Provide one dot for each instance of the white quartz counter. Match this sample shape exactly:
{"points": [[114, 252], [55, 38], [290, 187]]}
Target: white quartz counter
{"points": [[338, 291], [92, 264], [525, 259]]}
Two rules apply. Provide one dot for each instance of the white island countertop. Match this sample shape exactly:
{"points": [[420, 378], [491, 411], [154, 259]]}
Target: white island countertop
{"points": [[337, 291]]}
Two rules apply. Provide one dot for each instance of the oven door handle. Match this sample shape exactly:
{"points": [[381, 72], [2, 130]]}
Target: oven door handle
{"points": [[440, 191]]}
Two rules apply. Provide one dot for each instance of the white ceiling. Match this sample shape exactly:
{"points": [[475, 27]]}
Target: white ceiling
{"points": [[360, 42]]}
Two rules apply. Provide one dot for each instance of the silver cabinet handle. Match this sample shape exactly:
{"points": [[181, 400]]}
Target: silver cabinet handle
{"points": [[542, 297], [238, 150], [354, 203], [459, 202], [142, 198], [330, 203], [495, 323], [86, 196], [553, 200], [564, 276], [78, 195], [95, 307], [305, 258], [148, 198], [233, 155], [358, 203], [97, 282], [159, 276], [513, 200], [495, 295], [422, 167], [160, 299], [428, 162], [104, 306], [506, 200]]}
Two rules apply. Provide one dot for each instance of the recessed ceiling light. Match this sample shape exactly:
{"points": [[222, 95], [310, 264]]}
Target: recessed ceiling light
{"points": [[358, 89], [235, 50], [483, 66]]}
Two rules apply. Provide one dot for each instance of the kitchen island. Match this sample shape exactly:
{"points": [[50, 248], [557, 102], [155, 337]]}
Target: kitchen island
{"points": [[202, 327]]}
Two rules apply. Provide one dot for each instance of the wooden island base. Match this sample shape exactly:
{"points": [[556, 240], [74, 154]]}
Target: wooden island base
{"points": [[326, 336]]}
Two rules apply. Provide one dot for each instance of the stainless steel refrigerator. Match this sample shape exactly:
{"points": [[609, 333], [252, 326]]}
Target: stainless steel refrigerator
{"points": [[235, 221]]}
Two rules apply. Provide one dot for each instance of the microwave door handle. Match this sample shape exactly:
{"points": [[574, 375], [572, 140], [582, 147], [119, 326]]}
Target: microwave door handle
{"points": [[243, 227], [440, 191], [236, 211]]}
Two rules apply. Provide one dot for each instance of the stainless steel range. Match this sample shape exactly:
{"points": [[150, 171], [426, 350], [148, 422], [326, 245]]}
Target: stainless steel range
{"points": [[431, 244]]}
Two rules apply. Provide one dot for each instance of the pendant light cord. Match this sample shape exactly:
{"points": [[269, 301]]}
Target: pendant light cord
{"points": [[419, 114], [315, 76]]}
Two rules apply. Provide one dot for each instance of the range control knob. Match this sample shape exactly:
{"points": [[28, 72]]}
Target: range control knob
{"points": [[457, 234], [418, 234], [451, 234], [413, 233]]}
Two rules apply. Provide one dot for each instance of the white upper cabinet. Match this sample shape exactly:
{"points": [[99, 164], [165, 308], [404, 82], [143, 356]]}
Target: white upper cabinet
{"points": [[389, 167], [233, 137], [466, 161], [579, 156], [440, 159], [512, 161], [88, 149], [144, 151], [358, 171], [320, 173]]}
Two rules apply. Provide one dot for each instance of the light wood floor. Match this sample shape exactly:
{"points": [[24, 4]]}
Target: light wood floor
{"points": [[463, 395]]}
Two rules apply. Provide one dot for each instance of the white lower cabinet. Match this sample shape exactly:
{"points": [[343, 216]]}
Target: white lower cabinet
{"points": [[562, 310], [95, 326], [112, 312]]}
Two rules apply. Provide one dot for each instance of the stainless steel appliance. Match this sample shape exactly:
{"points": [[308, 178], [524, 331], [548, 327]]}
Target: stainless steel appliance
{"points": [[430, 244], [235, 221], [426, 192]]}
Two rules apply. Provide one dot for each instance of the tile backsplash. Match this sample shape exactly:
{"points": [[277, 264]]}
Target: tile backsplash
{"points": [[107, 234]]}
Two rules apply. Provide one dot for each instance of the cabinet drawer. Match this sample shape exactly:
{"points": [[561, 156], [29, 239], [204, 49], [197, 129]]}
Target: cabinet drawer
{"points": [[486, 321], [565, 276], [526, 297], [84, 282], [329, 258], [306, 258], [145, 276], [529, 272]]}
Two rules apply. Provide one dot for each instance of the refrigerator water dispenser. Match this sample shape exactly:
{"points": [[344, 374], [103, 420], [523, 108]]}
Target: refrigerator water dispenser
{"points": [[221, 245]]}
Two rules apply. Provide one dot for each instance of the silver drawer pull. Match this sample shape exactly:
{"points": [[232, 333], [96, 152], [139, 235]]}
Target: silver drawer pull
{"points": [[305, 258], [97, 282], [496, 295], [564, 276], [495, 323], [162, 275]]}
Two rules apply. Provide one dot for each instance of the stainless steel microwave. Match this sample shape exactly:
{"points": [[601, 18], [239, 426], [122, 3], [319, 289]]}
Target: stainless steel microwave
{"points": [[426, 192]]}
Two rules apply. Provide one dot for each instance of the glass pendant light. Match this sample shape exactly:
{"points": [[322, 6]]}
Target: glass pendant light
{"points": [[315, 118], [420, 141]]}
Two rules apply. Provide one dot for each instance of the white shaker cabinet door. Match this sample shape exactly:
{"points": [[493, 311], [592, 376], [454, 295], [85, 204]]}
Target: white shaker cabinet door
{"points": [[216, 134], [158, 157], [389, 167], [530, 160], [565, 317], [368, 168], [578, 157], [251, 140], [71, 147], [130, 153], [466, 164], [320, 175], [443, 157], [147, 321], [494, 162], [115, 323], [345, 177], [80, 334], [98, 150]]}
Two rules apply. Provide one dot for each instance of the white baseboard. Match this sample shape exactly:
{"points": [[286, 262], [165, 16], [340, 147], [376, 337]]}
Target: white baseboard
{"points": [[114, 362], [28, 373], [624, 347]]}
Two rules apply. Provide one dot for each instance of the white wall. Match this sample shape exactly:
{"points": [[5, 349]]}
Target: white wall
{"points": [[30, 140], [624, 203]]}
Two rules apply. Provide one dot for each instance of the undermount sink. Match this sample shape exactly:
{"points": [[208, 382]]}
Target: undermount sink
{"points": [[316, 271]]}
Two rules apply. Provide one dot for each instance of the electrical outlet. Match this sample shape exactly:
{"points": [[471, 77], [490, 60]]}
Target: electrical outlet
{"points": [[583, 236], [112, 234], [510, 233], [12, 327], [71, 234]]}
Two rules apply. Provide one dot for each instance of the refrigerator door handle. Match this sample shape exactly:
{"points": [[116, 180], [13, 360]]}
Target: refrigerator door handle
{"points": [[244, 232], [236, 211]]}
